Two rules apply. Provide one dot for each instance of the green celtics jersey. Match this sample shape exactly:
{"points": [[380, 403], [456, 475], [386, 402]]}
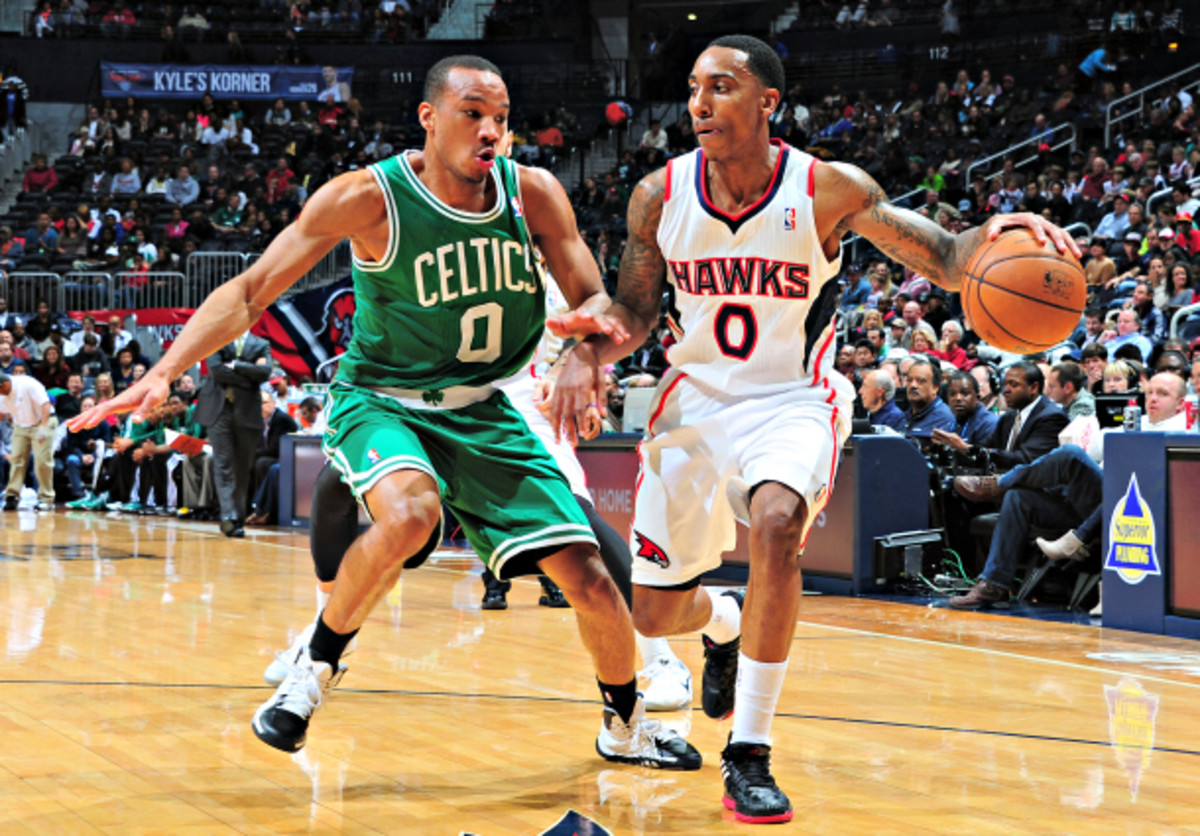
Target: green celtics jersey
{"points": [[456, 299]]}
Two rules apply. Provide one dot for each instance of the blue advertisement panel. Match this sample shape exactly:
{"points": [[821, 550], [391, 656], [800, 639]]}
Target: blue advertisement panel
{"points": [[248, 83]]}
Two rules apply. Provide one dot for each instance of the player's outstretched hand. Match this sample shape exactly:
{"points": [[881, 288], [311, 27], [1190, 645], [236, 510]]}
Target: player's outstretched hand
{"points": [[543, 391], [577, 390], [140, 398], [1041, 228], [580, 324]]}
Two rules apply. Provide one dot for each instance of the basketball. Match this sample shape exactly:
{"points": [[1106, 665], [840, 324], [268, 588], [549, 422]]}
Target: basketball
{"points": [[1022, 296]]}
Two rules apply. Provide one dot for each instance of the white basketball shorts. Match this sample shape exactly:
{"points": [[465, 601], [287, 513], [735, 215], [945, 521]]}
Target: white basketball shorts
{"points": [[520, 394], [706, 450]]}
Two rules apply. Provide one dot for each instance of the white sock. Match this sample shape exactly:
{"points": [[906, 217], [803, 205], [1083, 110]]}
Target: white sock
{"points": [[758, 687], [725, 625], [322, 599], [653, 648]]}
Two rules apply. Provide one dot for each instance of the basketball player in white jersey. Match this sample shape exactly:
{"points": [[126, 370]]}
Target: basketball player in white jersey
{"points": [[750, 418]]}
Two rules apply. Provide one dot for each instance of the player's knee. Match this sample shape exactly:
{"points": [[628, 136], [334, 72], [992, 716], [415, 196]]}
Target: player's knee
{"points": [[586, 583], [406, 524], [780, 525], [650, 619]]}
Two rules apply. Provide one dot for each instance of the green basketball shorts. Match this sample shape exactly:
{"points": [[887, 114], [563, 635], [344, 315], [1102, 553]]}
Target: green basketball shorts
{"points": [[490, 469]]}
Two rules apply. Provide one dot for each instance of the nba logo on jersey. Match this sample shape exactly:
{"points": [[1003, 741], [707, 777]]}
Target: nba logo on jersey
{"points": [[373, 456], [516, 205], [789, 218]]}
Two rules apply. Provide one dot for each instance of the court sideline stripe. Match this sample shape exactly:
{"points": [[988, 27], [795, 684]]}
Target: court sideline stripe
{"points": [[1007, 654], [399, 692]]}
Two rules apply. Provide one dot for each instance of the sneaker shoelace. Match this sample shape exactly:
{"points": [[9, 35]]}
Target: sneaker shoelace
{"points": [[301, 693], [753, 770]]}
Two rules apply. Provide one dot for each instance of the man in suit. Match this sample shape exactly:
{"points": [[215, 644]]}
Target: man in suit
{"points": [[1029, 429], [230, 407], [276, 424]]}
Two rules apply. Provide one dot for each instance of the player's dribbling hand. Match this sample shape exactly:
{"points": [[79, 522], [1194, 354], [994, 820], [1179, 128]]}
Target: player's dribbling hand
{"points": [[140, 399], [579, 324], [1041, 228]]}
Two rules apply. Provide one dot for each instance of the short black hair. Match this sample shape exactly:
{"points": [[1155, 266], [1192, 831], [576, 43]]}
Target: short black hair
{"points": [[964, 377], [1093, 311], [435, 79], [1093, 350], [763, 61], [863, 342], [1031, 373]]}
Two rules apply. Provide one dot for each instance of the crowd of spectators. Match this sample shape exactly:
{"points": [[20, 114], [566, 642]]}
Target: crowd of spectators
{"points": [[231, 21]]}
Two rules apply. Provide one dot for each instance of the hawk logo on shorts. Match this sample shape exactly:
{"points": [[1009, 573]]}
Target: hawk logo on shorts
{"points": [[373, 456], [789, 218], [648, 549]]}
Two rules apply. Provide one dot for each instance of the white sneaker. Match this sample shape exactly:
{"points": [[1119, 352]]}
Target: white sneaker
{"points": [[282, 721], [643, 742], [284, 659], [669, 685]]}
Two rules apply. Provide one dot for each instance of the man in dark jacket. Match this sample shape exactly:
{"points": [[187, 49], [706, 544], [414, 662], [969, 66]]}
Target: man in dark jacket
{"points": [[230, 407]]}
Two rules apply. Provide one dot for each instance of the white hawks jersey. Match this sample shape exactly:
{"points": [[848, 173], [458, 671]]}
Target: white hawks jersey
{"points": [[754, 294]]}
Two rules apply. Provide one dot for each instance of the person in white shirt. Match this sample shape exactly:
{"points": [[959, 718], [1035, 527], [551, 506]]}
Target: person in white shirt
{"points": [[25, 400], [120, 337]]}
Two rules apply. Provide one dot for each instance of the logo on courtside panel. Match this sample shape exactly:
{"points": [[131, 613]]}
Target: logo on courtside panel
{"points": [[1131, 535], [789, 218], [648, 549], [515, 202], [373, 456]]}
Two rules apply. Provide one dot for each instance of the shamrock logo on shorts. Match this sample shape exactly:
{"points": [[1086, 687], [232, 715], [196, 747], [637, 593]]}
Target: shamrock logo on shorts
{"points": [[433, 396]]}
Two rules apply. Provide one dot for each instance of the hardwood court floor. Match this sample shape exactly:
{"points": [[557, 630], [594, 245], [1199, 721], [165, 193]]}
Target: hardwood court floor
{"points": [[132, 660]]}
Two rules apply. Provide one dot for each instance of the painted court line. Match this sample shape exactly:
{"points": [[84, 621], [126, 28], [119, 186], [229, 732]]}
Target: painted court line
{"points": [[1006, 654]]}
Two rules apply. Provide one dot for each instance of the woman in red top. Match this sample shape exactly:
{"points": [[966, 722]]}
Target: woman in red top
{"points": [[40, 178], [52, 372]]}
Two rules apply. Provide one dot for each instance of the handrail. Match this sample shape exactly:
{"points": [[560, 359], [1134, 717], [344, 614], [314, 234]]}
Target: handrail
{"points": [[1181, 314], [1140, 95], [1153, 199], [1079, 225], [1034, 141]]}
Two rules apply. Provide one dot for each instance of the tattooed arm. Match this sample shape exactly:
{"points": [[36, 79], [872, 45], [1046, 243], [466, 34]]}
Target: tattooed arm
{"points": [[848, 199], [636, 309]]}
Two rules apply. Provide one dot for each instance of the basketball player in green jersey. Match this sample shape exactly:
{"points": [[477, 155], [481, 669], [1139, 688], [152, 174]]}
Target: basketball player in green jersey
{"points": [[448, 305]]}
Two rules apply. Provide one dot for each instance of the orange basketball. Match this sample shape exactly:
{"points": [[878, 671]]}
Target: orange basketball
{"points": [[1022, 296]]}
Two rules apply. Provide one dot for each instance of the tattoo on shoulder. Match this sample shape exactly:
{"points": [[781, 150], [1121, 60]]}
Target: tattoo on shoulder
{"points": [[643, 270]]}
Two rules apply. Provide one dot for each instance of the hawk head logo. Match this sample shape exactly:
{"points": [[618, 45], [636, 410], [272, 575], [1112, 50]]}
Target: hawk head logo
{"points": [[648, 549], [338, 322]]}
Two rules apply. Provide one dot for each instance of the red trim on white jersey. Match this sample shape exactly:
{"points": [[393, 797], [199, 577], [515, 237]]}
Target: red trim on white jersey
{"points": [[767, 194], [821, 355], [667, 191], [812, 189]]}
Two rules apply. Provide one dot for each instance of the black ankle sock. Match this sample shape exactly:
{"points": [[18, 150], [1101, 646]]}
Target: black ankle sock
{"points": [[620, 698], [326, 645]]}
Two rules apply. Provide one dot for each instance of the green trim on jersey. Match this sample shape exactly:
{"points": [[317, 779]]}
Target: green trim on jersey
{"points": [[456, 299]]}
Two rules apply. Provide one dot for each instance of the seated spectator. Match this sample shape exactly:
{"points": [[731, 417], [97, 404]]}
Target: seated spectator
{"points": [[312, 416], [922, 339], [857, 288], [90, 362], [118, 22], [24, 346], [11, 250], [40, 178], [1094, 359], [88, 327], [52, 372], [278, 114], [68, 404], [183, 189], [1153, 325], [878, 394], [865, 356], [158, 183], [1028, 429], [974, 423], [949, 349], [1066, 385], [1181, 287], [42, 238], [276, 424], [1098, 268], [1062, 489], [80, 452], [1114, 225], [127, 180], [1120, 377], [1128, 333], [927, 412]]}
